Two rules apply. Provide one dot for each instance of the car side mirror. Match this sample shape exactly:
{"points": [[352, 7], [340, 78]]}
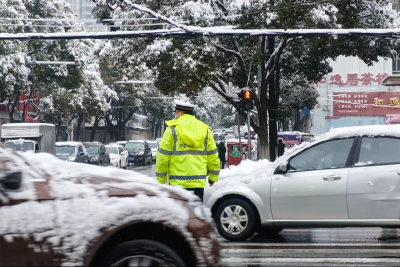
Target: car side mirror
{"points": [[12, 180], [283, 167]]}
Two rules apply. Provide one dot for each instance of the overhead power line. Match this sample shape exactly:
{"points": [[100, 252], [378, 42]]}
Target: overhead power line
{"points": [[190, 31]]}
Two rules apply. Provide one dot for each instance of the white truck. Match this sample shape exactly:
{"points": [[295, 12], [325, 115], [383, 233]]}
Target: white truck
{"points": [[38, 137]]}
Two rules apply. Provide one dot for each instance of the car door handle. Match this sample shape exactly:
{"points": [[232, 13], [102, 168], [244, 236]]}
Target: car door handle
{"points": [[332, 177]]}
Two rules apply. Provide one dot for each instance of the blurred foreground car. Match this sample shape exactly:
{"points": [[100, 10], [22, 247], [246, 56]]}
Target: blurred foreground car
{"points": [[56, 213], [348, 177]]}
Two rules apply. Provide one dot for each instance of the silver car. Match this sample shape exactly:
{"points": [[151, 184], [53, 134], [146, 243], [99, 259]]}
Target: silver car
{"points": [[348, 177]]}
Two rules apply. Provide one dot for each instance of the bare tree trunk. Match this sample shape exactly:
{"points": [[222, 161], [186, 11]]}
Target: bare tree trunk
{"points": [[78, 127], [273, 135], [27, 101], [93, 131], [12, 103]]}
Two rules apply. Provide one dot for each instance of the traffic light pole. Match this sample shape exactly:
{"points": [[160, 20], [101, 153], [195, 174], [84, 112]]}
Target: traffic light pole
{"points": [[248, 136], [240, 141]]}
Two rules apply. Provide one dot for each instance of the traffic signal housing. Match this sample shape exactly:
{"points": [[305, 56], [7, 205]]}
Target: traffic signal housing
{"points": [[246, 99]]}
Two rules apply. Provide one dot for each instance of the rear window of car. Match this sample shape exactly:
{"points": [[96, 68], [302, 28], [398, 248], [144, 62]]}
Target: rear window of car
{"points": [[153, 145], [92, 149], [134, 145], [65, 150], [112, 149]]}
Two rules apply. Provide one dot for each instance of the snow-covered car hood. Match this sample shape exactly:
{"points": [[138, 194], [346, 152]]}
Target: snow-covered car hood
{"points": [[114, 156], [83, 201], [71, 180]]}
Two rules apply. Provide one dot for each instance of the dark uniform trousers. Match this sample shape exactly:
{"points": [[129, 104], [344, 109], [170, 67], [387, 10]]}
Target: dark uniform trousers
{"points": [[198, 192]]}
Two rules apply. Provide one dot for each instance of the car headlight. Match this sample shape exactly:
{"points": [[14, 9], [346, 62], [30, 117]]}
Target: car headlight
{"points": [[140, 153], [203, 213], [72, 158], [94, 159]]}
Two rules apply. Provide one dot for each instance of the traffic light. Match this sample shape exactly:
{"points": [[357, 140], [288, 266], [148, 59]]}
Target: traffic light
{"points": [[246, 99]]}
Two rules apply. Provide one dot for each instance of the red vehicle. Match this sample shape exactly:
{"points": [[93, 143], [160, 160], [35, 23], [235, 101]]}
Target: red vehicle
{"points": [[234, 155]]}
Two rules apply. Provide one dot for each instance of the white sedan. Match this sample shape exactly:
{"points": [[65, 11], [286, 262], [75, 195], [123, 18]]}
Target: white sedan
{"points": [[118, 155], [153, 146]]}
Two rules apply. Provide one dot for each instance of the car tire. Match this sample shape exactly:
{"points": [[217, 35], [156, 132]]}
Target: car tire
{"points": [[151, 159], [232, 227], [144, 161], [119, 167], [147, 250]]}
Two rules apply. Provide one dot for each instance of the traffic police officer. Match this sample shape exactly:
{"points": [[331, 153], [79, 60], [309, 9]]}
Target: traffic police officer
{"points": [[186, 150]]}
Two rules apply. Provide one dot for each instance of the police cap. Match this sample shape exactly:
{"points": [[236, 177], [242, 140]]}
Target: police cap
{"points": [[183, 105]]}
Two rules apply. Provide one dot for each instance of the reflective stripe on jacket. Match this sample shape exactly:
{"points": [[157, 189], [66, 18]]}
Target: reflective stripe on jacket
{"points": [[186, 150]]}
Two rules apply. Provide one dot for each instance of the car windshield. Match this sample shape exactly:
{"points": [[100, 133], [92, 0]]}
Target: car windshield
{"points": [[134, 146], [112, 149], [20, 146], [92, 149], [153, 145], [65, 150]]}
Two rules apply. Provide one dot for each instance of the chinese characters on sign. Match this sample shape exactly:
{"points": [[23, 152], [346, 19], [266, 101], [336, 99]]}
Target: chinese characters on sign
{"points": [[365, 104], [354, 80]]}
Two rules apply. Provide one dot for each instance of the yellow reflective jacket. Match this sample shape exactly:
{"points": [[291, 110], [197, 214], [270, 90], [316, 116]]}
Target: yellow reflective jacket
{"points": [[186, 150]]}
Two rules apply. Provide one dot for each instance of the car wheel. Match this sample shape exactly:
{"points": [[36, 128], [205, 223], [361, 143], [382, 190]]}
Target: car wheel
{"points": [[119, 167], [151, 159], [143, 253], [235, 220], [144, 161]]}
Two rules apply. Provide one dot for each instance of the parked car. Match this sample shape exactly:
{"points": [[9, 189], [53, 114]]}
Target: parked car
{"points": [[348, 177], [158, 140], [153, 146], [65, 214], [218, 134], [98, 153], [118, 155], [230, 136], [139, 152], [72, 151], [122, 143]]}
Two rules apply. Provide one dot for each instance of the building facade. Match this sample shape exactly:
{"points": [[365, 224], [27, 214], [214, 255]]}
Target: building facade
{"points": [[353, 95], [83, 9]]}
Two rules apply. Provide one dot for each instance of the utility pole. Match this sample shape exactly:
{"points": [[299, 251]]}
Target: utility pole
{"points": [[272, 106], [248, 136]]}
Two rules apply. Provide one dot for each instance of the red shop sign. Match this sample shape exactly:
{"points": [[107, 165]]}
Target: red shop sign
{"points": [[366, 104]]}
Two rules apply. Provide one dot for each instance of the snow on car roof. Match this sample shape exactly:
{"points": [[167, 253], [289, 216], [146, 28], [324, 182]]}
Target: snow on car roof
{"points": [[368, 130], [68, 143]]}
